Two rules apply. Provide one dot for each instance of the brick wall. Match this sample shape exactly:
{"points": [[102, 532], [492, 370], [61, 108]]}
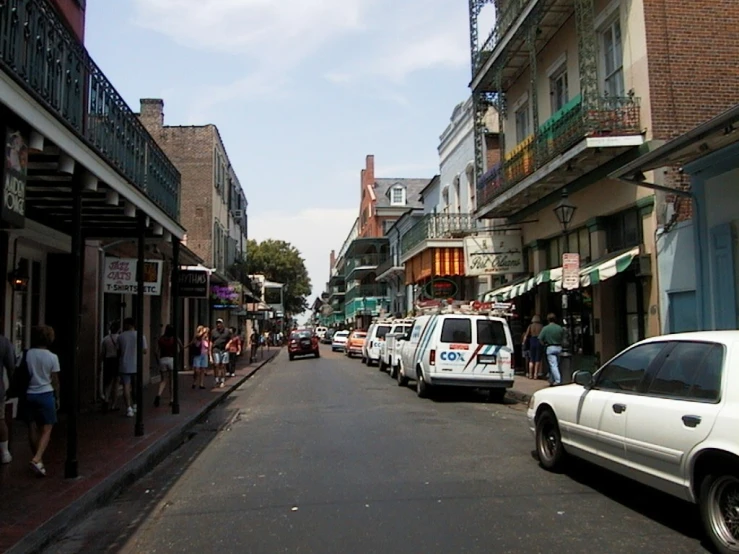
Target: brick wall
{"points": [[492, 150], [72, 13], [692, 54], [191, 150], [368, 222]]}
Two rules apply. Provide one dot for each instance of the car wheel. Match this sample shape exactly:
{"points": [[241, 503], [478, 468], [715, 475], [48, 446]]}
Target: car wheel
{"points": [[364, 360], [549, 445], [496, 395], [291, 357], [719, 506], [393, 371], [422, 387], [400, 375], [317, 354], [381, 365]]}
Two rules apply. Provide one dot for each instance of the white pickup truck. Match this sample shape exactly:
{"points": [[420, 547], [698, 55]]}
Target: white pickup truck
{"points": [[390, 347]]}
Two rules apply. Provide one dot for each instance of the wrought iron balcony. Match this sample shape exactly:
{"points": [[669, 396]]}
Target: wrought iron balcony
{"points": [[438, 226], [489, 183], [42, 56], [366, 291], [369, 261], [604, 117], [509, 11], [387, 265]]}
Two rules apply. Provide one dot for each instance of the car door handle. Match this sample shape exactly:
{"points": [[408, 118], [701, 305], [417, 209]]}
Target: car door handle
{"points": [[691, 420], [619, 408]]}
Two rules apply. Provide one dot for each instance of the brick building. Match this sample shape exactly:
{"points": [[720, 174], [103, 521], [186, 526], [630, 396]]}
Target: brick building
{"points": [[213, 206], [585, 87]]}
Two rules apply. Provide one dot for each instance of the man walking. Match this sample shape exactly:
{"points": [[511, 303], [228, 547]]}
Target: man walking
{"points": [[552, 336], [127, 347], [7, 357], [219, 339]]}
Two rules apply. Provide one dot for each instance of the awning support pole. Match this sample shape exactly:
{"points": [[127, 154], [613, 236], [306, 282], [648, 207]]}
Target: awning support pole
{"points": [[178, 325], [141, 227]]}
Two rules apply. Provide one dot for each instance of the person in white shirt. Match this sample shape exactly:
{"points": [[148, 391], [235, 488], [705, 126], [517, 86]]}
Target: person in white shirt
{"points": [[127, 343], [42, 395]]}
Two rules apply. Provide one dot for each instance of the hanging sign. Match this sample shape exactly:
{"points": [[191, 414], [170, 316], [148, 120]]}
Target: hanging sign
{"points": [[440, 288], [493, 255], [14, 179], [570, 271], [193, 283], [120, 277], [227, 297]]}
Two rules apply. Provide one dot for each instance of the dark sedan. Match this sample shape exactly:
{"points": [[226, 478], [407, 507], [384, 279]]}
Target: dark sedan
{"points": [[303, 343]]}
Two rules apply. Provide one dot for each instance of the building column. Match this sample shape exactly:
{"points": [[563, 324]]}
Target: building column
{"points": [[598, 244], [587, 49]]}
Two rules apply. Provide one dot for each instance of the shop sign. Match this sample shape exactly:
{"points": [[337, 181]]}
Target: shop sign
{"points": [[120, 276], [227, 297], [193, 283], [570, 271], [493, 255], [14, 179], [440, 288]]}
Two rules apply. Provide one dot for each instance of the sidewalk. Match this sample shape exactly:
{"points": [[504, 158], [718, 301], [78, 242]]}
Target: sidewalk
{"points": [[34, 510], [523, 388]]}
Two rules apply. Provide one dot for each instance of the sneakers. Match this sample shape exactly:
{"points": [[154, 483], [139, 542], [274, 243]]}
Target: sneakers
{"points": [[6, 458], [129, 412], [223, 384]]}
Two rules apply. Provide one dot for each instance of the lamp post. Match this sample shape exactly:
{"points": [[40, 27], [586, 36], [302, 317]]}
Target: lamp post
{"points": [[565, 211]]}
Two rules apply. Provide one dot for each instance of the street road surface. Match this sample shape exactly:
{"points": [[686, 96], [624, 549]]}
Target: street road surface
{"points": [[330, 456]]}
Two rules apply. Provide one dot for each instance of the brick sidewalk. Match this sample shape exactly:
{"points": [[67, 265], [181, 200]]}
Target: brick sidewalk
{"points": [[33, 508]]}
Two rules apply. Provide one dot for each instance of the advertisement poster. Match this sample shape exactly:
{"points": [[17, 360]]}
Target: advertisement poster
{"points": [[120, 276], [493, 255]]}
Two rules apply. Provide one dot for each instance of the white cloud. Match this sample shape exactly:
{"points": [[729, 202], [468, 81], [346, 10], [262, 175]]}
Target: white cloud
{"points": [[315, 232]]}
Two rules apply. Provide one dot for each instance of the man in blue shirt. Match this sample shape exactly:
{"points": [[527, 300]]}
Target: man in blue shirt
{"points": [[552, 336]]}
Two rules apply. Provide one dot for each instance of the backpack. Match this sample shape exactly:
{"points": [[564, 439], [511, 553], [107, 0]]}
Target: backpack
{"points": [[20, 379]]}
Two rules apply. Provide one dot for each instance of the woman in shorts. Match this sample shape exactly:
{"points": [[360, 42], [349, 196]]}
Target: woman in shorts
{"points": [[200, 363], [42, 396], [168, 345]]}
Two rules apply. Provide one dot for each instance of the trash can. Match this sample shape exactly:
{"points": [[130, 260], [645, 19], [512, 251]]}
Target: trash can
{"points": [[565, 367]]}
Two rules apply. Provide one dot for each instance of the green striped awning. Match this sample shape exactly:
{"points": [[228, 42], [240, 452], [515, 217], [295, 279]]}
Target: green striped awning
{"points": [[605, 269]]}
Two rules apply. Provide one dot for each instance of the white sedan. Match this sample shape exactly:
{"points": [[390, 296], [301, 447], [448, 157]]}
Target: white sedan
{"points": [[338, 341], [664, 412]]}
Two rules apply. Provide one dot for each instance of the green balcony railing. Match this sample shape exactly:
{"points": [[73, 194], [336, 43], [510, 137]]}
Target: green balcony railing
{"points": [[436, 226], [365, 291], [509, 11], [606, 116], [364, 260], [41, 55]]}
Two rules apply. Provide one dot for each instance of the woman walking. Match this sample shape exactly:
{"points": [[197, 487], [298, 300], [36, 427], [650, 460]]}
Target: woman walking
{"points": [[531, 336], [199, 356], [168, 346], [42, 397]]}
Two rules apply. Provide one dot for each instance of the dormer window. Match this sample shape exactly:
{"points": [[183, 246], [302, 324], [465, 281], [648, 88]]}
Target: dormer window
{"points": [[397, 196]]}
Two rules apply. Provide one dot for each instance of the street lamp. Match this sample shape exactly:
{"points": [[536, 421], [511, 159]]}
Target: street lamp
{"points": [[565, 211]]}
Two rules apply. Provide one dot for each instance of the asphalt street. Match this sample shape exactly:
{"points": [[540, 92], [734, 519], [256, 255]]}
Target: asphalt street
{"points": [[330, 456]]}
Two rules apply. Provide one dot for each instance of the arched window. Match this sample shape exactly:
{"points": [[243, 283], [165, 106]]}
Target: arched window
{"points": [[472, 187], [457, 195], [445, 200]]}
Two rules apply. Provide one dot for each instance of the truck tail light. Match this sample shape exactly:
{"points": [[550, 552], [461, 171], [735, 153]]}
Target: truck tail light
{"points": [[432, 357]]}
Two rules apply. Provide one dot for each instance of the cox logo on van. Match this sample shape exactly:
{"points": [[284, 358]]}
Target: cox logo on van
{"points": [[452, 356]]}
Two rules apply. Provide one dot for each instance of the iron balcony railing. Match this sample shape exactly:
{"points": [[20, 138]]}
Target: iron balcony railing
{"points": [[437, 226], [40, 54], [509, 11], [606, 116], [386, 265], [365, 291], [364, 260]]}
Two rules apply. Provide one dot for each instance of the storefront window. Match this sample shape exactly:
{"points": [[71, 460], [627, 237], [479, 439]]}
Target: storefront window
{"points": [[624, 229]]}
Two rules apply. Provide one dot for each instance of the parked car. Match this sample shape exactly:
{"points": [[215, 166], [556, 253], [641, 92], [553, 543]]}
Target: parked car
{"points": [[458, 350], [375, 337], [355, 342], [338, 341], [664, 412], [303, 343], [327, 337]]}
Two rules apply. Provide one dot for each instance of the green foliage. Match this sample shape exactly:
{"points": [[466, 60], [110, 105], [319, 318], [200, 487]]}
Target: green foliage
{"points": [[281, 262]]}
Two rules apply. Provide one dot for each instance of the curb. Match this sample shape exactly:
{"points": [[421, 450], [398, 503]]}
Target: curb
{"points": [[517, 396], [124, 477]]}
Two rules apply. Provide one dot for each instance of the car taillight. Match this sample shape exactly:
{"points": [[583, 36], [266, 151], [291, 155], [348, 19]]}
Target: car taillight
{"points": [[432, 357]]}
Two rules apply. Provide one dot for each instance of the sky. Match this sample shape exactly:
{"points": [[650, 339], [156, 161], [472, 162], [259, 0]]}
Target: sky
{"points": [[301, 91]]}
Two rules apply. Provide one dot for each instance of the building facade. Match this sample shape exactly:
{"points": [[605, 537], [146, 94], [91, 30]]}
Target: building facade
{"points": [[582, 89], [214, 210]]}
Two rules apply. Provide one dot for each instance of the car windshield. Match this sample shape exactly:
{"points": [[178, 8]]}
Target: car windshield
{"points": [[382, 330], [341, 334], [302, 335], [359, 335]]}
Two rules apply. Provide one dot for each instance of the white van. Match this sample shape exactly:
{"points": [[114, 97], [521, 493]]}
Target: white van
{"points": [[458, 349], [321, 332], [373, 343]]}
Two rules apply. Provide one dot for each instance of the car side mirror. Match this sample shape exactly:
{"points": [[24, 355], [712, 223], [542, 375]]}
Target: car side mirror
{"points": [[583, 378]]}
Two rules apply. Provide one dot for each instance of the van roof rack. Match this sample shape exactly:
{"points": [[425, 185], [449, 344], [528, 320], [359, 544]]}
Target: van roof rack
{"points": [[437, 307]]}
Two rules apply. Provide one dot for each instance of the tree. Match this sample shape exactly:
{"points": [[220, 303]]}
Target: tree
{"points": [[281, 262]]}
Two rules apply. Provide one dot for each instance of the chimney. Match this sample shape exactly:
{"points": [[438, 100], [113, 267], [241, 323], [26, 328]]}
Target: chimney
{"points": [[152, 114], [333, 259], [370, 165]]}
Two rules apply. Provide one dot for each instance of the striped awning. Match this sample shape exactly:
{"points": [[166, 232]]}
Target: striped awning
{"points": [[603, 269], [517, 288]]}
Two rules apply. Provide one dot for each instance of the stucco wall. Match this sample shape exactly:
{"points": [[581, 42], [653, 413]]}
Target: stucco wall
{"points": [[455, 165], [676, 266]]}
